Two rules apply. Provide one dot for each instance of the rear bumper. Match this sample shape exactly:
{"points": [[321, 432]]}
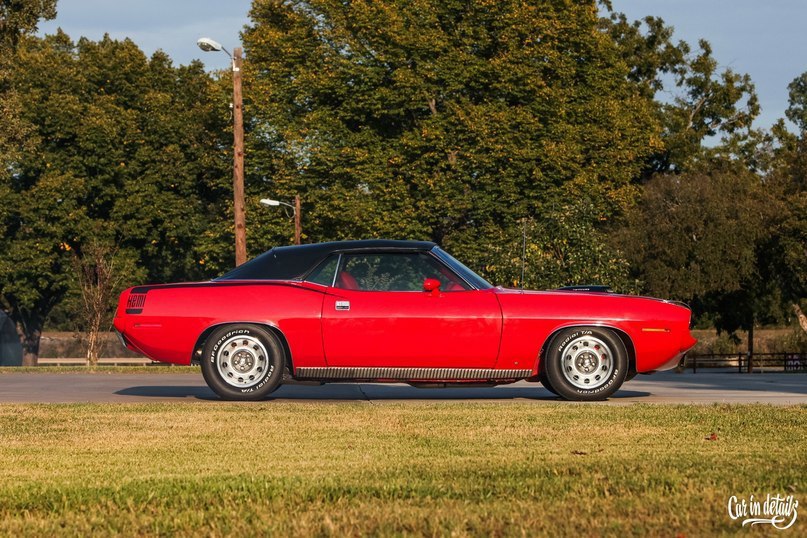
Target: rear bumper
{"points": [[125, 342], [121, 339]]}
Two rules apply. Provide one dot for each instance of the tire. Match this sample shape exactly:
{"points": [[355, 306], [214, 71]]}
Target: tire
{"points": [[243, 362], [586, 363], [545, 382]]}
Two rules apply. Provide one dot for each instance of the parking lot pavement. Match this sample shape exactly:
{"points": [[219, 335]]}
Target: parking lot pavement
{"points": [[664, 387]]}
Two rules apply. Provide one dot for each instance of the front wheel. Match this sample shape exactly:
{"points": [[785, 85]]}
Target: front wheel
{"points": [[243, 362], [586, 363], [545, 382]]}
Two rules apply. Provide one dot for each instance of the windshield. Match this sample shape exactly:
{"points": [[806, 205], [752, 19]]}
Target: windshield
{"points": [[457, 266]]}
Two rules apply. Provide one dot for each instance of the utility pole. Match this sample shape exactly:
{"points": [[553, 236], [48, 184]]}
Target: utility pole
{"points": [[296, 208], [239, 209], [238, 162], [298, 226]]}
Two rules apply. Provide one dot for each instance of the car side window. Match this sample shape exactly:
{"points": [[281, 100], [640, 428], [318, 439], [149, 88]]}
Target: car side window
{"points": [[403, 271], [324, 272]]}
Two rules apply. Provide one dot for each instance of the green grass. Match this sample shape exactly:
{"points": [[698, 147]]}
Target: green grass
{"points": [[393, 469]]}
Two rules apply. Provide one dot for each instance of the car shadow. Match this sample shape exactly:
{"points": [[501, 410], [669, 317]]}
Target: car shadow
{"points": [[364, 392], [169, 392]]}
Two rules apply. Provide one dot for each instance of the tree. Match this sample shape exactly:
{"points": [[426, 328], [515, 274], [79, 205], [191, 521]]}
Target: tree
{"points": [[125, 151], [783, 258], [706, 102], [451, 121], [694, 234], [697, 237], [727, 241], [562, 248], [99, 270], [797, 107], [18, 18], [21, 17]]}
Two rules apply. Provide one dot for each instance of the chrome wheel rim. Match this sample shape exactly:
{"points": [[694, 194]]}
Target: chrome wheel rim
{"points": [[587, 362], [242, 361]]}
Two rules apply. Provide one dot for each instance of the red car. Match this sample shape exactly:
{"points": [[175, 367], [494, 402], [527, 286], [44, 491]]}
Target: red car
{"points": [[396, 311]]}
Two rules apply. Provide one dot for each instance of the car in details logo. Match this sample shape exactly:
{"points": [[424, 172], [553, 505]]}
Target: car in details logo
{"points": [[776, 510]]}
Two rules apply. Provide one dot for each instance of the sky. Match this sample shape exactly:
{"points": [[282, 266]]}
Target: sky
{"points": [[764, 38]]}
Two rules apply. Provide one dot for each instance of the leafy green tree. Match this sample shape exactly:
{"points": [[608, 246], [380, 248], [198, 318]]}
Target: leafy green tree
{"points": [[706, 102], [21, 17], [730, 243], [797, 108], [444, 120], [782, 259], [695, 234], [126, 151], [562, 248], [18, 18]]}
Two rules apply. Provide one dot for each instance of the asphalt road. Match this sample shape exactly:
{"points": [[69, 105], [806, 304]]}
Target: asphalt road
{"points": [[665, 387]]}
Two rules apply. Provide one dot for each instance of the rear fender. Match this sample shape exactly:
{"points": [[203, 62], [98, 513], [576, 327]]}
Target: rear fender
{"points": [[200, 342]]}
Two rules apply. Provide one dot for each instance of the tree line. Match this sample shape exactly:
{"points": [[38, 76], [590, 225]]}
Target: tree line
{"points": [[534, 134]]}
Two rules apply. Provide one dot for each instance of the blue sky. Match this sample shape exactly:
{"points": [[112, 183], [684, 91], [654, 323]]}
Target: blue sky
{"points": [[765, 39]]}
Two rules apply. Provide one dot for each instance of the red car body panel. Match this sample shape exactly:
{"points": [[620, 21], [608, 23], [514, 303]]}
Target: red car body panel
{"points": [[412, 329], [174, 317], [325, 326], [657, 330]]}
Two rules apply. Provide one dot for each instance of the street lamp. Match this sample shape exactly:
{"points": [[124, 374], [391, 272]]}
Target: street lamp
{"points": [[208, 45], [298, 228]]}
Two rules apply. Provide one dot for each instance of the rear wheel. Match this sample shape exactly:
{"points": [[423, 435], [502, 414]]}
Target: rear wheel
{"points": [[243, 362], [586, 363]]}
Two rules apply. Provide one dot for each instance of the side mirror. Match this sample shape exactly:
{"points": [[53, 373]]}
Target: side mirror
{"points": [[432, 285]]}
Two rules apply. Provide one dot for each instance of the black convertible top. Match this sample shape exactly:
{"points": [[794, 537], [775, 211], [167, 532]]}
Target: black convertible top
{"points": [[293, 262]]}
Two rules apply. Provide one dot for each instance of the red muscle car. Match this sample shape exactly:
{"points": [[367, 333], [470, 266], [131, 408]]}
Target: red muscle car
{"points": [[396, 311]]}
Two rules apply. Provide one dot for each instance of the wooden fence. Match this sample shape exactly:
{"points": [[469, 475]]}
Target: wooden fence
{"points": [[743, 362]]}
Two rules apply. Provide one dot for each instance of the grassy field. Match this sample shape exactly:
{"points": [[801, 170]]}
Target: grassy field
{"points": [[768, 340], [395, 469]]}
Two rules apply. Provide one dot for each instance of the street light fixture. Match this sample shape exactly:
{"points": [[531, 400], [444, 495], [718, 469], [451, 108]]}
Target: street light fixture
{"points": [[298, 228], [208, 45]]}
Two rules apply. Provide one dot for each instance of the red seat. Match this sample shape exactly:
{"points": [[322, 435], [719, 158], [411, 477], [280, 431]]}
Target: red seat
{"points": [[346, 281]]}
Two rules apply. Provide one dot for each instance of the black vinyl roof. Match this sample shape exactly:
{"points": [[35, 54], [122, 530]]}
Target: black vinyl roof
{"points": [[293, 262]]}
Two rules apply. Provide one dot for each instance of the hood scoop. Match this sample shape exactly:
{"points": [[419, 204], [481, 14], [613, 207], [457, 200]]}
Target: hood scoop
{"points": [[587, 288]]}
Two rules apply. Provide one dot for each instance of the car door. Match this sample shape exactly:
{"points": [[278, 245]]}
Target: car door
{"points": [[377, 314]]}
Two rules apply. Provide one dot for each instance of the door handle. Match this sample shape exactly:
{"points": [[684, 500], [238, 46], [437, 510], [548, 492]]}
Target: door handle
{"points": [[343, 305]]}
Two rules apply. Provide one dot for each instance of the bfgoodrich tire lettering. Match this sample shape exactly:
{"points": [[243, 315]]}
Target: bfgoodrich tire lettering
{"points": [[586, 363], [243, 362]]}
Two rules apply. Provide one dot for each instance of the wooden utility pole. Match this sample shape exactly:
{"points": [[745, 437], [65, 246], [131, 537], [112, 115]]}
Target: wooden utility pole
{"points": [[238, 162], [298, 226]]}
